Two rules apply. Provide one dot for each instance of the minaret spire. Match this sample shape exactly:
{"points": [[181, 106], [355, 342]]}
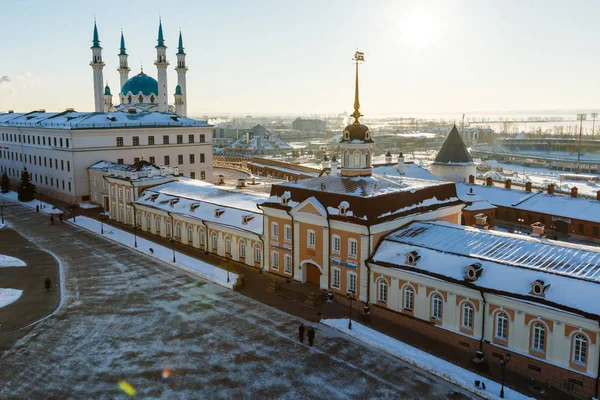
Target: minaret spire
{"points": [[358, 56], [123, 69], [122, 52], [180, 46], [181, 89], [97, 65], [161, 66]]}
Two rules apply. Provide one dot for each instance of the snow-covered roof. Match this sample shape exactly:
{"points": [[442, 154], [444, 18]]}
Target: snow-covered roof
{"points": [[511, 263], [411, 170], [206, 200], [91, 120], [537, 202]]}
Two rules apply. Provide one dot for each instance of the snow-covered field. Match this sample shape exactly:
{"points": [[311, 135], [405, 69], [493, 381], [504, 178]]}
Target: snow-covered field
{"points": [[8, 261], [424, 360], [190, 264], [44, 207], [8, 296]]}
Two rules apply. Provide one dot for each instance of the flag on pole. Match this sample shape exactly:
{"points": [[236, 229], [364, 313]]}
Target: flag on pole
{"points": [[359, 56]]}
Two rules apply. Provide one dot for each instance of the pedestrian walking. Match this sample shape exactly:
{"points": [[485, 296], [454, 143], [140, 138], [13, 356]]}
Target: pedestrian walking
{"points": [[37, 208], [301, 330], [311, 336], [47, 284], [52, 220], [60, 217]]}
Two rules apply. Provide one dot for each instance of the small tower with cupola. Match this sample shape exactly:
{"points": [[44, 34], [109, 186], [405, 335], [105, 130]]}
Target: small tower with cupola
{"points": [[181, 77], [97, 65], [108, 103], [161, 66], [179, 102], [356, 143], [123, 64]]}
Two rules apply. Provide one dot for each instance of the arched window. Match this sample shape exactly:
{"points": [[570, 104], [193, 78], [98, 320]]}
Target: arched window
{"points": [[382, 291], [158, 225], [346, 159], [437, 304], [227, 245], [168, 228], [501, 326], [579, 349], [368, 159], [178, 230], [147, 221], [152, 99], [215, 241], [257, 254], [467, 316], [190, 233], [242, 249], [130, 99], [140, 98], [357, 159], [409, 298], [202, 238], [538, 337]]}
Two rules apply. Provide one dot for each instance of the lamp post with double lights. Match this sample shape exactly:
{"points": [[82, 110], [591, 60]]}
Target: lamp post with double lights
{"points": [[135, 225], [503, 361], [580, 118], [350, 296]]}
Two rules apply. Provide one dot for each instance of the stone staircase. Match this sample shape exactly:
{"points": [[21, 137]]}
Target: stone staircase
{"points": [[311, 296]]}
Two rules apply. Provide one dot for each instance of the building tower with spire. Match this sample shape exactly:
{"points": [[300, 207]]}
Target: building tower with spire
{"points": [[123, 65], [179, 105], [97, 65], [108, 104], [181, 80], [161, 66], [356, 143]]}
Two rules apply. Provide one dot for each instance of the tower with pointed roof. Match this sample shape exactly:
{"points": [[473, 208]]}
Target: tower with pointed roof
{"points": [[108, 104], [181, 79], [97, 66], [161, 66], [179, 102], [123, 65], [453, 162], [356, 143]]}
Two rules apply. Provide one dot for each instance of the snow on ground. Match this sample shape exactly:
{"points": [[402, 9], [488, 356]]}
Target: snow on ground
{"points": [[88, 205], [8, 296], [2, 225], [8, 261], [184, 262], [44, 207], [424, 360]]}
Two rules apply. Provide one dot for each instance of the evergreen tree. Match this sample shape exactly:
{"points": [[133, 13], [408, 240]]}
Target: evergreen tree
{"points": [[4, 183], [26, 188]]}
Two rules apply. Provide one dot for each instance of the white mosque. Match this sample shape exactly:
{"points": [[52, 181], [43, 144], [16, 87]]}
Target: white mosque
{"points": [[141, 92]]}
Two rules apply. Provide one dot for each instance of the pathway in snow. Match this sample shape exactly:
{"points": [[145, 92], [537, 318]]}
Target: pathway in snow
{"points": [[426, 361], [127, 316]]}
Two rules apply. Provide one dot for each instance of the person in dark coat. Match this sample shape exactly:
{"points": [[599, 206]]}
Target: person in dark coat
{"points": [[47, 284], [311, 336], [301, 330], [52, 220], [37, 208], [60, 217]]}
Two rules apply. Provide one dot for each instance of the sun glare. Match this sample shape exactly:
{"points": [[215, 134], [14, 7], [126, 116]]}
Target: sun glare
{"points": [[419, 28]]}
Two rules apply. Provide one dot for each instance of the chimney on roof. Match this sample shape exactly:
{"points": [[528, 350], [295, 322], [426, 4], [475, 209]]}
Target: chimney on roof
{"points": [[69, 109], [574, 192], [598, 195], [472, 179], [528, 186], [42, 110], [507, 184], [334, 166], [551, 188], [388, 157], [489, 181], [400, 166], [11, 111]]}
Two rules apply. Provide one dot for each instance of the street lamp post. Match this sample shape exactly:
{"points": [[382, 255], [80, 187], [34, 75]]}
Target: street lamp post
{"points": [[102, 222], [503, 361], [227, 263], [172, 240], [350, 297], [73, 212], [594, 116], [581, 118], [2, 212]]}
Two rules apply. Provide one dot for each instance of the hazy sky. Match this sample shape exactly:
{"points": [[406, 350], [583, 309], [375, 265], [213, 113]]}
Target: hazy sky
{"points": [[295, 57]]}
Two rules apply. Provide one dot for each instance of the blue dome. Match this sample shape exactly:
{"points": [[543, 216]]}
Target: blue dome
{"points": [[141, 83]]}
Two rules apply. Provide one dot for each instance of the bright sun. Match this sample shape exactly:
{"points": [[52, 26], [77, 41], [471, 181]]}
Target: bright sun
{"points": [[419, 27]]}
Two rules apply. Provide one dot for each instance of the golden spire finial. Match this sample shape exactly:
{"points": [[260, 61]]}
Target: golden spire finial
{"points": [[358, 56]]}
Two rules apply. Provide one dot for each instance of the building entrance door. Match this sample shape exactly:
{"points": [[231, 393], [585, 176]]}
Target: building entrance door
{"points": [[313, 274], [105, 205], [561, 226]]}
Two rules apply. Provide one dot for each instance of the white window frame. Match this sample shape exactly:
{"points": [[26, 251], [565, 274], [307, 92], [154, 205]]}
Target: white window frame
{"points": [[202, 237], [287, 263], [501, 329], [352, 248], [336, 278], [215, 241], [178, 230], [242, 246], [467, 316], [257, 254], [336, 244], [148, 221], [157, 226], [275, 260], [382, 291], [227, 245], [311, 238], [274, 230], [287, 233], [127, 195], [95, 181], [580, 349], [437, 306], [190, 233], [408, 298], [356, 159], [351, 277], [538, 338]]}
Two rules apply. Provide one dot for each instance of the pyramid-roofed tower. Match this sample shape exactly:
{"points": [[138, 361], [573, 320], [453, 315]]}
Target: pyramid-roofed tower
{"points": [[453, 162]]}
